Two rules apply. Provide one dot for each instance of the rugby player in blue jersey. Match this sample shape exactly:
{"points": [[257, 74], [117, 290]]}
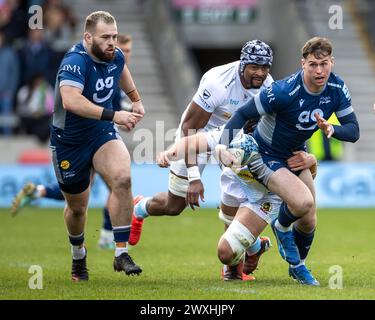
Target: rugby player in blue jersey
{"points": [[31, 192], [292, 109], [84, 139]]}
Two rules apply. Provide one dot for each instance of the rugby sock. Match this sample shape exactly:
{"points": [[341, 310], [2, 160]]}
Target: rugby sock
{"points": [[254, 248], [140, 209], [303, 241], [121, 236], [53, 191], [107, 225], [78, 250], [285, 218]]}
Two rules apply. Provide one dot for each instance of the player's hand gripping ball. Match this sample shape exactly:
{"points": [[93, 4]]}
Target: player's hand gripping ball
{"points": [[240, 153]]}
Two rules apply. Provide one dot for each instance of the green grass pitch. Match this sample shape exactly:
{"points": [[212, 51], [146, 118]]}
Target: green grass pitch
{"points": [[178, 257]]}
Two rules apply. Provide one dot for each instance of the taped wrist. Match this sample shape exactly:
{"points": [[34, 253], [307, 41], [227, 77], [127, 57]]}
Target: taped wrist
{"points": [[107, 115], [193, 173]]}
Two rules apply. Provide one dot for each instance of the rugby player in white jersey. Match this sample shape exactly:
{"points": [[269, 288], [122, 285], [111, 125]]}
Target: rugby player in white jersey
{"points": [[221, 91], [256, 206]]}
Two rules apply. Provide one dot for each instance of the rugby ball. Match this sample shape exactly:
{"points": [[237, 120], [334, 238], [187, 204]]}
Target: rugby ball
{"points": [[244, 148]]}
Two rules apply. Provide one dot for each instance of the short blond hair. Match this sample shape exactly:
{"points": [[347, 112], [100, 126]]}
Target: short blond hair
{"points": [[94, 17], [318, 46]]}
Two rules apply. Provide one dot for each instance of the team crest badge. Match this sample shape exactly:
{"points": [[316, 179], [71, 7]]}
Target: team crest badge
{"points": [[266, 207], [65, 164]]}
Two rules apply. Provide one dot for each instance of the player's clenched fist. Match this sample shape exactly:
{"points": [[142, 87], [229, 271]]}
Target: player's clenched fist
{"points": [[127, 119]]}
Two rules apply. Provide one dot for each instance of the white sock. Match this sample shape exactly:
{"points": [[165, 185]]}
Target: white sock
{"points": [[38, 191], [78, 252], [282, 228], [120, 250], [302, 262]]}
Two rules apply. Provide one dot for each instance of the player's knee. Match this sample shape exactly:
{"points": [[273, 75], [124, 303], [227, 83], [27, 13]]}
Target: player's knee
{"points": [[237, 239], [224, 251], [121, 182], [307, 224], [77, 210], [304, 205]]}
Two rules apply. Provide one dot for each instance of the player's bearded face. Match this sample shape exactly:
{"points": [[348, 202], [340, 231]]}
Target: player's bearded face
{"points": [[103, 51], [254, 75]]}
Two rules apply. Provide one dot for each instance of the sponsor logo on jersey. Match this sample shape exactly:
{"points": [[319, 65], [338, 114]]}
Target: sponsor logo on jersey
{"points": [[65, 164], [111, 68], [74, 68], [204, 102], [301, 101], [295, 90], [206, 94], [346, 92], [292, 78], [324, 100], [273, 163], [334, 85], [266, 207], [235, 102], [305, 117], [270, 95]]}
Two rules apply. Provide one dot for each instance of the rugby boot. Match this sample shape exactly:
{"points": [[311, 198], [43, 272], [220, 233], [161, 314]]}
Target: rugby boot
{"points": [[302, 275], [23, 198], [125, 263], [230, 273], [79, 269]]}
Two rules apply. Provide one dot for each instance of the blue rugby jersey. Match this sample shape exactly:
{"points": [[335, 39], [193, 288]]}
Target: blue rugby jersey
{"points": [[287, 109], [99, 83]]}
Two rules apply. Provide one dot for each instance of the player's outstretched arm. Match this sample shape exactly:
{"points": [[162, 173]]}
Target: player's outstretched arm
{"points": [[190, 146], [347, 131]]}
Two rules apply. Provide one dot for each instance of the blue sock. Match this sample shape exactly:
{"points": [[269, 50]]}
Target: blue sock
{"points": [[303, 241], [121, 233], [286, 218], [53, 191], [107, 225], [76, 240]]}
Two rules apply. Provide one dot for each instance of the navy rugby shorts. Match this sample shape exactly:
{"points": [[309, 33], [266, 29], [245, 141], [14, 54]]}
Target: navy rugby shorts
{"points": [[73, 162]]}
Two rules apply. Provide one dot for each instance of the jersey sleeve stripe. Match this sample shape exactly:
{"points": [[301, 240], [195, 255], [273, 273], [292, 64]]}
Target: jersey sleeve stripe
{"points": [[71, 83], [259, 105], [344, 112]]}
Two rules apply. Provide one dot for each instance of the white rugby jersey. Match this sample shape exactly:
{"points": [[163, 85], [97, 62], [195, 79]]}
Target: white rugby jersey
{"points": [[221, 93]]}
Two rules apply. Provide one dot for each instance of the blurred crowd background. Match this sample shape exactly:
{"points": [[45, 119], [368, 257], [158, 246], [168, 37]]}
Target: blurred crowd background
{"points": [[175, 42]]}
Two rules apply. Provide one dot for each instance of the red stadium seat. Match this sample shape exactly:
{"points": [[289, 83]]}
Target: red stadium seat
{"points": [[35, 156]]}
